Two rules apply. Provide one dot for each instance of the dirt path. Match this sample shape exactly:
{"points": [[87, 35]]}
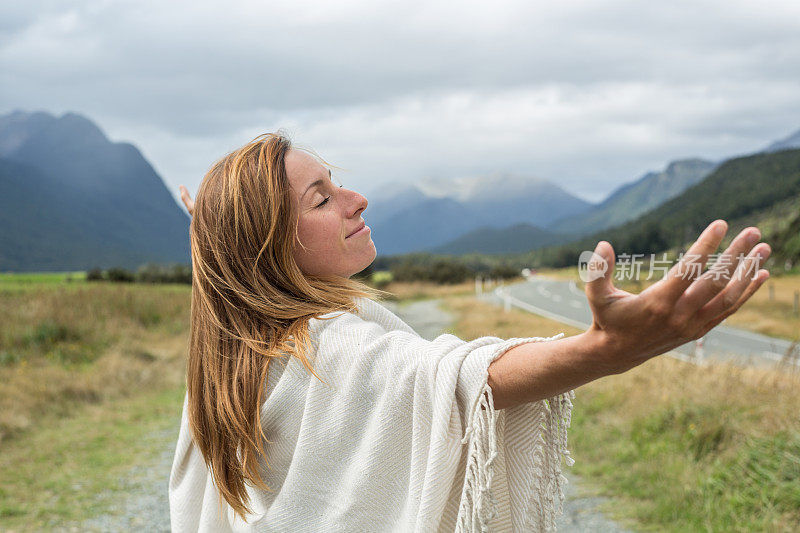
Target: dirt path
{"points": [[147, 507]]}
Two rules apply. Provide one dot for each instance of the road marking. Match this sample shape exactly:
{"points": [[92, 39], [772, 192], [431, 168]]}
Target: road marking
{"points": [[774, 342], [574, 289], [576, 305], [541, 290], [753, 336], [502, 293], [780, 357], [539, 311]]}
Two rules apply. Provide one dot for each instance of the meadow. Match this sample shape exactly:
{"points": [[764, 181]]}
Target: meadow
{"points": [[674, 446], [88, 373], [92, 382]]}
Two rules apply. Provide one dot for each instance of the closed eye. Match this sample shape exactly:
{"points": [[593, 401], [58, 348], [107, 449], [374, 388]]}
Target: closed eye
{"points": [[325, 201]]}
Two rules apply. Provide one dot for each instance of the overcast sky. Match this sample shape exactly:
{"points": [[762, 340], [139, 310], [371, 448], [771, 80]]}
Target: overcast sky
{"points": [[587, 94]]}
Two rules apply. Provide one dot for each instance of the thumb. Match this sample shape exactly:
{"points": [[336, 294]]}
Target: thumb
{"points": [[599, 271]]}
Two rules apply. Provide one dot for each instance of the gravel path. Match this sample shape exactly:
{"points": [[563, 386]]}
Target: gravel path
{"points": [[424, 316], [147, 507]]}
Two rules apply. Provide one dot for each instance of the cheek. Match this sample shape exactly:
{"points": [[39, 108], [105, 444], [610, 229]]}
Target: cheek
{"points": [[318, 233]]}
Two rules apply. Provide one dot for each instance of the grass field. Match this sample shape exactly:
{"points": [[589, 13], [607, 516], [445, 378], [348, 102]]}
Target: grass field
{"points": [[69, 468], [90, 372], [41, 277], [674, 446]]}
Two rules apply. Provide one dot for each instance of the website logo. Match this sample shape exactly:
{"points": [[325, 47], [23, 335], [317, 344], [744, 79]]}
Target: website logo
{"points": [[591, 266]]}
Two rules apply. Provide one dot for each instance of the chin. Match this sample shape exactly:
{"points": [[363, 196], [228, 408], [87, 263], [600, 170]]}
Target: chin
{"points": [[365, 264], [372, 256]]}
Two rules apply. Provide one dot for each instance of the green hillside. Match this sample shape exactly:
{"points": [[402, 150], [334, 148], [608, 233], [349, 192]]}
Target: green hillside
{"points": [[514, 239], [635, 199], [760, 189]]}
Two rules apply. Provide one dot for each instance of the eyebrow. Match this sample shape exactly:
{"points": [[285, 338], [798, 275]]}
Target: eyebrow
{"points": [[317, 183]]}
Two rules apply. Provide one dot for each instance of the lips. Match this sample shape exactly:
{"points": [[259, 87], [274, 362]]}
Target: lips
{"points": [[357, 229]]}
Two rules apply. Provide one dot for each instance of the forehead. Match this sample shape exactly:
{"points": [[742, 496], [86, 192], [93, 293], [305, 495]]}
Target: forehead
{"points": [[302, 169]]}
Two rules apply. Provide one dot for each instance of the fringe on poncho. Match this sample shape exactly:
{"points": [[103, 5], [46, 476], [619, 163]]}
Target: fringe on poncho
{"points": [[402, 436]]}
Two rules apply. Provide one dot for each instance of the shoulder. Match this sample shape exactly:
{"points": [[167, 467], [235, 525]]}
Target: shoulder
{"points": [[369, 317], [371, 337]]}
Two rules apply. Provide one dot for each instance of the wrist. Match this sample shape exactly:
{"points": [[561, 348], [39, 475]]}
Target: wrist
{"points": [[604, 350]]}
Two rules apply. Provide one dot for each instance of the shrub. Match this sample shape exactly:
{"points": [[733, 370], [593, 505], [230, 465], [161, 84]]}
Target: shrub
{"points": [[94, 274], [119, 275], [447, 272], [409, 271], [155, 273], [503, 272]]}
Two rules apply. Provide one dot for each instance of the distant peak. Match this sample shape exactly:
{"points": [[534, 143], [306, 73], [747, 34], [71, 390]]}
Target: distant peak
{"points": [[82, 126], [20, 115], [19, 126], [792, 141], [495, 184], [684, 163]]}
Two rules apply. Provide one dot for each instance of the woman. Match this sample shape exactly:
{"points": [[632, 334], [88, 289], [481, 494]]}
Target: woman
{"points": [[310, 407]]}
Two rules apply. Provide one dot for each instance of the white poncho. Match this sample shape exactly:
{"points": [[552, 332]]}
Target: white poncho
{"points": [[403, 436]]}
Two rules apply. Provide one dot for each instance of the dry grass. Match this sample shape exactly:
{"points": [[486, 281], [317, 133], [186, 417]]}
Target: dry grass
{"points": [[416, 290], [69, 469], [774, 317], [677, 447], [756, 401], [420, 290], [88, 373], [61, 347], [479, 319], [686, 448], [564, 274]]}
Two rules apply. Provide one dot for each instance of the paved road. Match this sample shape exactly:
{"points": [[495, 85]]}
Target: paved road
{"points": [[563, 301]]}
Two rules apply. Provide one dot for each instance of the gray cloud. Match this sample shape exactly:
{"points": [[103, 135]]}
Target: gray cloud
{"points": [[587, 94]]}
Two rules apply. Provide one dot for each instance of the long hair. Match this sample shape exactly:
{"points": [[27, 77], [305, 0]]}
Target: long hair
{"points": [[250, 304]]}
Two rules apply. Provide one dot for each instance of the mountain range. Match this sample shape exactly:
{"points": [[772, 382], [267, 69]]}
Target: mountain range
{"points": [[71, 199], [762, 189], [633, 199], [503, 213], [405, 219]]}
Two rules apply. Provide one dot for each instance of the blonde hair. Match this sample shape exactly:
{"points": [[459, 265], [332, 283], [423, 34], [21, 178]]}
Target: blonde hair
{"points": [[250, 304]]}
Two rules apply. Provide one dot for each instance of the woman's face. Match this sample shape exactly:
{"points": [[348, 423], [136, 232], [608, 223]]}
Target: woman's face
{"points": [[327, 213]]}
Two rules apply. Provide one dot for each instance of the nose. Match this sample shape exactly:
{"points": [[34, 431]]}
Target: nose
{"points": [[358, 205]]}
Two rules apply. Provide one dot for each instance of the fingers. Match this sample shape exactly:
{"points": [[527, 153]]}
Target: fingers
{"points": [[717, 279], [600, 271], [746, 275], [691, 265], [187, 200], [755, 284]]}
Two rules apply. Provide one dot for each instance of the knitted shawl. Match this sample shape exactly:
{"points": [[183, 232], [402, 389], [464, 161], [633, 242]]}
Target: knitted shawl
{"points": [[402, 436]]}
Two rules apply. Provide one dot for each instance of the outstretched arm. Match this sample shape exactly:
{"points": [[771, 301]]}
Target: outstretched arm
{"points": [[628, 329]]}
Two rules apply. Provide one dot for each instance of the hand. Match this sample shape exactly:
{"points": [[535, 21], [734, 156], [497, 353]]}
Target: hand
{"points": [[683, 306], [187, 200]]}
